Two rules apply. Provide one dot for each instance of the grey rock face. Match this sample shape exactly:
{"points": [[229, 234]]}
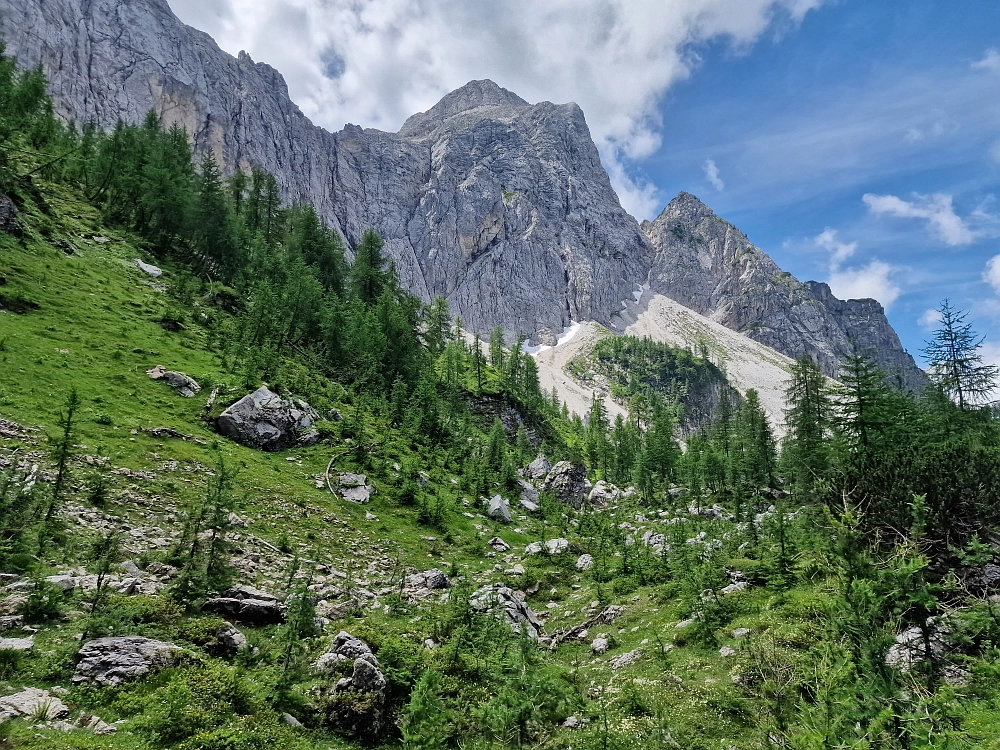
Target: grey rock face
{"points": [[537, 469], [255, 612], [502, 602], [32, 702], [355, 488], [230, 640], [345, 647], [710, 266], [499, 510], [266, 421], [112, 661], [8, 215], [367, 677], [569, 482]]}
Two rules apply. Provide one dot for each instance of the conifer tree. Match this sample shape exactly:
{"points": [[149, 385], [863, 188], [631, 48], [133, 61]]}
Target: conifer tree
{"points": [[955, 361], [808, 422], [370, 274]]}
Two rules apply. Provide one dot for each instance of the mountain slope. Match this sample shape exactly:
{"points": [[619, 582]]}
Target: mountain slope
{"points": [[710, 266]]}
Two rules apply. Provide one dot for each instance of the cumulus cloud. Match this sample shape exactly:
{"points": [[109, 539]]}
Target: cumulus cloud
{"points": [[990, 62], [870, 281], [375, 62], [873, 280], [992, 273], [936, 210], [712, 174], [929, 319], [839, 251]]}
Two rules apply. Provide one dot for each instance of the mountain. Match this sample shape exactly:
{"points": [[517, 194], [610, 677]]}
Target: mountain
{"points": [[501, 206], [710, 266]]}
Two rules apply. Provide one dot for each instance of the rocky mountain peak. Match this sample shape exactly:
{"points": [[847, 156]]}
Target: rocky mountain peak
{"points": [[471, 96]]}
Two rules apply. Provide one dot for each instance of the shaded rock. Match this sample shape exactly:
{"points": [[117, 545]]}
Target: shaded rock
{"points": [[254, 612], [528, 498], [228, 641], [242, 591], [112, 661], [355, 488], [64, 582], [505, 604], [432, 579], [727, 651], [499, 510], [367, 677], [11, 622], [265, 421], [537, 469], [604, 493], [32, 702], [8, 215], [568, 481], [498, 544], [910, 648], [291, 720], [184, 385]]}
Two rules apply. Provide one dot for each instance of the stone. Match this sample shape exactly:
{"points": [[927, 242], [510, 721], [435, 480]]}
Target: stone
{"points": [[8, 215], [498, 509], [910, 649], [11, 622], [727, 651], [498, 544], [734, 588], [265, 421], [557, 546], [604, 494], [345, 647], [17, 644], [355, 488], [64, 582], [740, 632], [624, 660], [584, 562], [253, 612], [146, 268], [528, 497], [112, 661], [184, 385], [568, 481], [367, 677], [505, 604], [130, 569], [31, 703], [242, 591], [572, 722], [537, 469], [291, 720], [432, 579], [599, 645], [230, 640]]}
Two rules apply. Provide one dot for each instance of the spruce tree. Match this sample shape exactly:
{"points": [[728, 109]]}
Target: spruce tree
{"points": [[369, 274], [808, 422], [955, 361]]}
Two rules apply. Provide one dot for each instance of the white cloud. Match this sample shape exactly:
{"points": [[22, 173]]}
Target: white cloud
{"points": [[375, 62], [929, 319], [992, 273], [990, 62], [936, 210], [839, 251], [712, 174], [870, 281]]}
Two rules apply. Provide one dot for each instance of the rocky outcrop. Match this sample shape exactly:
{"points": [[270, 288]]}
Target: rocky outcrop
{"points": [[266, 421], [710, 266], [32, 703], [568, 481], [502, 602], [247, 605], [184, 385], [112, 661]]}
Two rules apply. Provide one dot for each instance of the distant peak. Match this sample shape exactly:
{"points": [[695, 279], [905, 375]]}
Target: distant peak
{"points": [[473, 95], [685, 205]]}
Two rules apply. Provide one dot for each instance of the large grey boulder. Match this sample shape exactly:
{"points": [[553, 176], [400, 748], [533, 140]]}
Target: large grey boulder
{"points": [[112, 661], [253, 612], [529, 496], [355, 488], [498, 509], [345, 647], [366, 676], [433, 580], [505, 604], [569, 483], [537, 469], [266, 421]]}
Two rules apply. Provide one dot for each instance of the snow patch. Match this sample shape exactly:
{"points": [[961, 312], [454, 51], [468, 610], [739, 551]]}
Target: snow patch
{"points": [[637, 294], [568, 333]]}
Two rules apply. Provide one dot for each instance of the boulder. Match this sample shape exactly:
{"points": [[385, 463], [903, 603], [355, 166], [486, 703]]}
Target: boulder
{"points": [[229, 641], [529, 496], [599, 645], [64, 582], [184, 385], [242, 591], [537, 469], [355, 488], [112, 661], [8, 215], [344, 648], [17, 644], [32, 703], [499, 510], [265, 421], [253, 612], [604, 493], [584, 562], [498, 544], [146, 268], [568, 481], [432, 580], [552, 547], [367, 677], [624, 660], [910, 649], [502, 602]]}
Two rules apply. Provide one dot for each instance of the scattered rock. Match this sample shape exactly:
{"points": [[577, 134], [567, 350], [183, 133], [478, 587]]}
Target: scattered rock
{"points": [[584, 562], [498, 544], [504, 603], [344, 648], [8, 215], [291, 720], [569, 483], [63, 582], [572, 722], [229, 641], [529, 496], [430, 580], [624, 660], [910, 648], [599, 645], [355, 488], [112, 661], [185, 385], [727, 651], [537, 469], [605, 493], [17, 644], [741, 632], [32, 702], [367, 677], [499, 510], [242, 591], [253, 612], [265, 421], [11, 622], [144, 267]]}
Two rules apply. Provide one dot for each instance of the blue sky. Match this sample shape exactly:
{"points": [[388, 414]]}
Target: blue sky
{"points": [[893, 98]]}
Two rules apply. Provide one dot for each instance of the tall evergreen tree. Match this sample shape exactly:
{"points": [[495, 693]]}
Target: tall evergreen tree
{"points": [[956, 362]]}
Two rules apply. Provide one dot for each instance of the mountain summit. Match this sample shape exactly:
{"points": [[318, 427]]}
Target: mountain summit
{"points": [[501, 206]]}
